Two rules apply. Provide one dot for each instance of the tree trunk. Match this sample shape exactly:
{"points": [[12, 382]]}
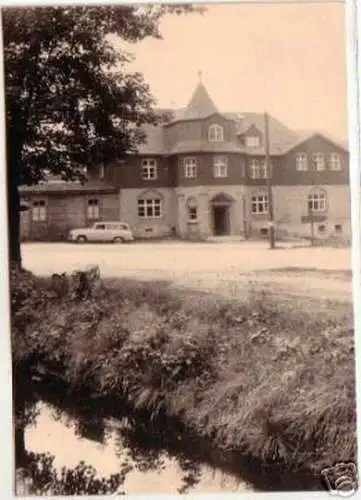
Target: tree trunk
{"points": [[14, 216], [14, 145], [20, 389], [20, 451]]}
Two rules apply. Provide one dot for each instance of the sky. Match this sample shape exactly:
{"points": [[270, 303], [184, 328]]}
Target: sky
{"points": [[286, 59]]}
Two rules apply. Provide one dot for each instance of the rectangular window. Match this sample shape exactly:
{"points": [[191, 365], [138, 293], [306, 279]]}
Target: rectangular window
{"points": [[317, 202], [243, 169], [39, 212], [215, 133], [260, 204], [334, 161], [149, 170], [301, 162], [253, 141], [93, 209], [220, 166], [149, 209], [319, 161], [190, 168], [255, 171], [258, 169], [192, 214], [264, 169]]}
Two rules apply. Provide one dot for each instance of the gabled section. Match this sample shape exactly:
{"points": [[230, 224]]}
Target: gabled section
{"points": [[304, 137], [281, 137], [252, 138]]}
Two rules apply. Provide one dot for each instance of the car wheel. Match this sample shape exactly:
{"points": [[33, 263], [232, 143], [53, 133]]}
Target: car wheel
{"points": [[81, 239], [118, 239]]}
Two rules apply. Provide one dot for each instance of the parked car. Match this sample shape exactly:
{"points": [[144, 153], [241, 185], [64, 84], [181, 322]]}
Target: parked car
{"points": [[99, 232]]}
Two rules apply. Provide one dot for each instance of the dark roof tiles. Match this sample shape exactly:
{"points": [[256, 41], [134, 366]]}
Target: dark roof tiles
{"points": [[200, 106], [60, 187]]}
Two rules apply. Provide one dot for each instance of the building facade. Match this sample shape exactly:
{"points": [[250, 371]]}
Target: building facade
{"points": [[51, 209], [203, 173]]}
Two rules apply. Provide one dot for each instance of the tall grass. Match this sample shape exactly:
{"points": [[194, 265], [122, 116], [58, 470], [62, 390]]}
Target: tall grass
{"points": [[251, 374]]}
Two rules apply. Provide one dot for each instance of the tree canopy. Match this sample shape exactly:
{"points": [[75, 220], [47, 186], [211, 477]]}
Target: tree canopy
{"points": [[66, 105], [70, 101]]}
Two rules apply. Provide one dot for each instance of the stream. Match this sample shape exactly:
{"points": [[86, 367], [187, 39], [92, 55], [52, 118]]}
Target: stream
{"points": [[105, 445]]}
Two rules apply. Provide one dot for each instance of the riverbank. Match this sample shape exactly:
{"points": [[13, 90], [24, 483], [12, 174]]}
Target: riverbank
{"points": [[263, 382]]}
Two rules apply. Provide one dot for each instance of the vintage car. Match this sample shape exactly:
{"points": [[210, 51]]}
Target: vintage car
{"points": [[102, 232]]}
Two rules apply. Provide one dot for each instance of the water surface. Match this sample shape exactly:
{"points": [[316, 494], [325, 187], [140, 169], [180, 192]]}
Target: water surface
{"points": [[106, 450]]}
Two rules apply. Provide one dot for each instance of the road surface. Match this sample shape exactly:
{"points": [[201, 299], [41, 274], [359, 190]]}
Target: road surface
{"points": [[224, 268]]}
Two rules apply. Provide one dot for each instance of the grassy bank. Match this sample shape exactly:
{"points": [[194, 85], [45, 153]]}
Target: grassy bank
{"points": [[273, 381]]}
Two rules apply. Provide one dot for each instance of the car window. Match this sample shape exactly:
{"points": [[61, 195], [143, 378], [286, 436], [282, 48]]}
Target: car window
{"points": [[123, 226], [100, 226]]}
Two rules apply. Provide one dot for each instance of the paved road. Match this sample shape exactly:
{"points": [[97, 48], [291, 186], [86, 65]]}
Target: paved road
{"points": [[222, 267]]}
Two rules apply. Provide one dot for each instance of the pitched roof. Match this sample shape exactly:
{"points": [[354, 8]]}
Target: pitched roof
{"points": [[154, 144], [60, 187], [200, 106], [305, 135], [282, 139]]}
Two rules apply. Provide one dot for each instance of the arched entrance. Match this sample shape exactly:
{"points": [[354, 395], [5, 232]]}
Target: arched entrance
{"points": [[221, 206]]}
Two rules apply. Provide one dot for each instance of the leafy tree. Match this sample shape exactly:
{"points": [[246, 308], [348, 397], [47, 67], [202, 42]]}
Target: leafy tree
{"points": [[70, 102]]}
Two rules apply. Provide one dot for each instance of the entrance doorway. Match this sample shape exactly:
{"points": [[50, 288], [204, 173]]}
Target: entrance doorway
{"points": [[221, 207], [221, 220]]}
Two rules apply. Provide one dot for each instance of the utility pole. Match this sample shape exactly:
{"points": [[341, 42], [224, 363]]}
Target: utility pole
{"points": [[312, 223], [268, 168], [310, 209]]}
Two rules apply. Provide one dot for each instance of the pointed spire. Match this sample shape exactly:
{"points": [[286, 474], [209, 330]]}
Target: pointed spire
{"points": [[201, 105]]}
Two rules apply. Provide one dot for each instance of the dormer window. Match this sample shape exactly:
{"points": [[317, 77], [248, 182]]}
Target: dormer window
{"points": [[253, 141], [215, 133]]}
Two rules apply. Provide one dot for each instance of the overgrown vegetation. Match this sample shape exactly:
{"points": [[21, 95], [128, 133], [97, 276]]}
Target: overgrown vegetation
{"points": [[249, 375]]}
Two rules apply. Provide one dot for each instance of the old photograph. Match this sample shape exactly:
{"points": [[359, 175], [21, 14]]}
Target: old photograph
{"points": [[179, 213]]}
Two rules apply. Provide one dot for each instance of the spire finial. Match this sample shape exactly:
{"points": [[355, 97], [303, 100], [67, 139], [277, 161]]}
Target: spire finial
{"points": [[200, 76]]}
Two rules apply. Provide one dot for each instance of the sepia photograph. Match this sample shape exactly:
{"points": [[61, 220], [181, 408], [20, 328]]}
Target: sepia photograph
{"points": [[179, 229]]}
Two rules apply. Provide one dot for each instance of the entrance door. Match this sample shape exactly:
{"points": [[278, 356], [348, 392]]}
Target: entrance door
{"points": [[221, 220]]}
